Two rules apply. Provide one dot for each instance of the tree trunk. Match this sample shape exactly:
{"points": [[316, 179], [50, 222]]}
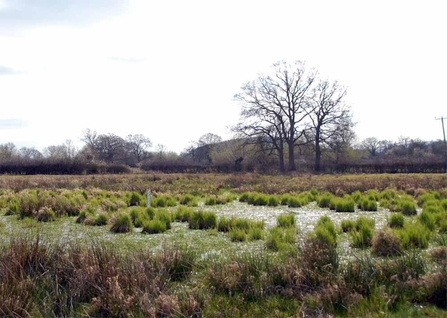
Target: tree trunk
{"points": [[292, 166], [282, 166], [317, 156], [317, 150]]}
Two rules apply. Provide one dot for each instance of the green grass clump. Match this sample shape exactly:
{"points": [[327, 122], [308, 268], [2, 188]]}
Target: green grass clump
{"points": [[347, 225], [367, 204], [163, 201], [138, 216], [273, 200], [396, 220], [407, 206], [164, 216], [325, 231], [183, 214], [286, 220], [155, 226], [363, 234], [413, 235], [281, 239], [427, 219], [325, 200], [255, 233], [122, 223], [345, 204], [189, 200], [136, 199], [203, 220], [100, 220], [237, 235]]}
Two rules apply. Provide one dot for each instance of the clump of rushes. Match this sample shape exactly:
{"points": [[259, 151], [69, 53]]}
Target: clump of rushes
{"points": [[385, 243], [325, 200], [100, 220], [136, 199], [203, 220], [155, 226], [363, 234], [183, 214], [237, 235], [138, 216], [367, 204], [396, 220], [286, 220], [189, 200], [280, 239], [164, 216], [325, 231], [347, 226], [345, 204], [413, 235], [122, 223], [273, 200], [46, 214], [407, 206], [163, 201]]}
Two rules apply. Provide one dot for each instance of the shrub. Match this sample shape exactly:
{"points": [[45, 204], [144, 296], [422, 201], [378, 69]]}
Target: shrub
{"points": [[396, 220], [203, 220], [286, 220], [154, 227], [122, 224]]}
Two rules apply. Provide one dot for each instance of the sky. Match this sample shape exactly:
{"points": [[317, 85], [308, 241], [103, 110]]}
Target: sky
{"points": [[169, 69]]}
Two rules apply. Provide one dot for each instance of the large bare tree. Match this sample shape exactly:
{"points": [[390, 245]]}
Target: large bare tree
{"points": [[274, 107], [327, 113]]}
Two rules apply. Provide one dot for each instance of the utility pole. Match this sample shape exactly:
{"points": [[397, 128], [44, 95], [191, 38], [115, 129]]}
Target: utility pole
{"points": [[445, 143]]}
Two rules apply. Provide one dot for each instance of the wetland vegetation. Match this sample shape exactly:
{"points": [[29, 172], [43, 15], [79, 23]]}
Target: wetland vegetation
{"points": [[220, 245]]}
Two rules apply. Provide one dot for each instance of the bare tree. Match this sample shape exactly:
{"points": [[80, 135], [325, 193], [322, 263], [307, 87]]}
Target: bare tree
{"points": [[137, 145], [275, 107], [30, 153], [8, 151], [326, 113], [372, 145]]}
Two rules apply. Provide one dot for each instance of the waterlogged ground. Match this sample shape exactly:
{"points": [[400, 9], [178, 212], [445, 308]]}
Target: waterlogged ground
{"points": [[209, 243]]}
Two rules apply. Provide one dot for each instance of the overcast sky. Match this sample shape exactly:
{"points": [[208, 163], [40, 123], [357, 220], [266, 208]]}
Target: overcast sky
{"points": [[169, 69]]}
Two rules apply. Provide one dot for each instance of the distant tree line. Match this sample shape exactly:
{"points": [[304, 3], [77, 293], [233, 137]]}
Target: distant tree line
{"points": [[290, 120]]}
